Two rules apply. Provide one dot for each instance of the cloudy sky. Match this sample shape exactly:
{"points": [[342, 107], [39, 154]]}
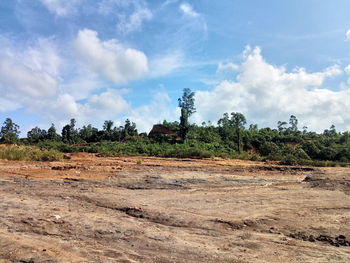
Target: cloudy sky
{"points": [[97, 60]]}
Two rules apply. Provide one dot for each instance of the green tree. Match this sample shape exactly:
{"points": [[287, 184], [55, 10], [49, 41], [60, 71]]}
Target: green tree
{"points": [[304, 129], [253, 128], [89, 133], [9, 132], [293, 122], [238, 120], [174, 126], [186, 103], [52, 133], [108, 130], [129, 129], [69, 133], [281, 126], [231, 128], [36, 135], [330, 132]]}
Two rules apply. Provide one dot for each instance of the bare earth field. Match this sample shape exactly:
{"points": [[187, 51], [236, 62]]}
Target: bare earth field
{"points": [[133, 209]]}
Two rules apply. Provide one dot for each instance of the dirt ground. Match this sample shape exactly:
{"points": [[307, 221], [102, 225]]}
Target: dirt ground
{"points": [[143, 209]]}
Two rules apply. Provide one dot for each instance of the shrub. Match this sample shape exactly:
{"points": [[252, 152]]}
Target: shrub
{"points": [[268, 148], [29, 154], [290, 160]]}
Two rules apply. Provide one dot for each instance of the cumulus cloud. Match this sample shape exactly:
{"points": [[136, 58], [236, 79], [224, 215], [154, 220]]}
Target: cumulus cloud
{"points": [[27, 76], [31, 79], [266, 93], [60, 7], [43, 57], [19, 78], [347, 71], [188, 10], [110, 59], [347, 34], [156, 111], [109, 104]]}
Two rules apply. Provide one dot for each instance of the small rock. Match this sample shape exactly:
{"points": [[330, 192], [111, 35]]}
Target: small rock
{"points": [[312, 238], [340, 237], [57, 217]]}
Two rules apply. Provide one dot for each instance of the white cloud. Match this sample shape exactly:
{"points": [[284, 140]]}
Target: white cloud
{"points": [[169, 2], [134, 21], [61, 108], [99, 107], [43, 57], [166, 64], [82, 84], [109, 59], [130, 14], [60, 7], [16, 77], [347, 34], [157, 111], [193, 23], [266, 94], [27, 75], [7, 104], [106, 105], [227, 67], [188, 10], [32, 79], [347, 71]]}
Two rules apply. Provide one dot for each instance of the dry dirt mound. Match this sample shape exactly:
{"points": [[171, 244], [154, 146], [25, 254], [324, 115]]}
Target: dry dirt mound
{"points": [[340, 184]]}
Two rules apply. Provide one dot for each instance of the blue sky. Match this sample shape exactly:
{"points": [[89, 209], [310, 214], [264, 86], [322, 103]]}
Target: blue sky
{"points": [[115, 59]]}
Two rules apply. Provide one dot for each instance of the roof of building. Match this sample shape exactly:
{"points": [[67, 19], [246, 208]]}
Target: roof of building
{"points": [[160, 129]]}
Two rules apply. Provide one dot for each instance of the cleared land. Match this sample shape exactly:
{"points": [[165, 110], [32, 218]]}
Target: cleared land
{"points": [[133, 209]]}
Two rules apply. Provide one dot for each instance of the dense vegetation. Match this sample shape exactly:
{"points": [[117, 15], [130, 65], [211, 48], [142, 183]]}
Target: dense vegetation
{"points": [[230, 138]]}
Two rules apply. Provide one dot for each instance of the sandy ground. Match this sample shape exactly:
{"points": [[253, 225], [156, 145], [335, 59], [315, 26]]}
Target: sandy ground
{"points": [[143, 209]]}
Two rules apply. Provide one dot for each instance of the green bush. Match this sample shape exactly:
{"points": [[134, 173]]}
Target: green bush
{"points": [[29, 154], [268, 148], [290, 160]]}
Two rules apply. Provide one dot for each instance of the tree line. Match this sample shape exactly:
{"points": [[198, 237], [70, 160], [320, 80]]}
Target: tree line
{"points": [[231, 137]]}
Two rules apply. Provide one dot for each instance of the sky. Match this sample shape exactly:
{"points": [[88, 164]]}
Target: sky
{"points": [[97, 60]]}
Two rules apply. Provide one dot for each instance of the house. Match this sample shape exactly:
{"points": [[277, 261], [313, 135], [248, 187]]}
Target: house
{"points": [[159, 129]]}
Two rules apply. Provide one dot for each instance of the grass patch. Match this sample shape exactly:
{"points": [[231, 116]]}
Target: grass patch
{"points": [[16, 153]]}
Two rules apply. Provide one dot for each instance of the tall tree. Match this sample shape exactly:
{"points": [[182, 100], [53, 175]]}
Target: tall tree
{"points": [[281, 126], [52, 133], [9, 131], [129, 129], [293, 121], [238, 120], [225, 128], [186, 103], [107, 130], [69, 133], [231, 128]]}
